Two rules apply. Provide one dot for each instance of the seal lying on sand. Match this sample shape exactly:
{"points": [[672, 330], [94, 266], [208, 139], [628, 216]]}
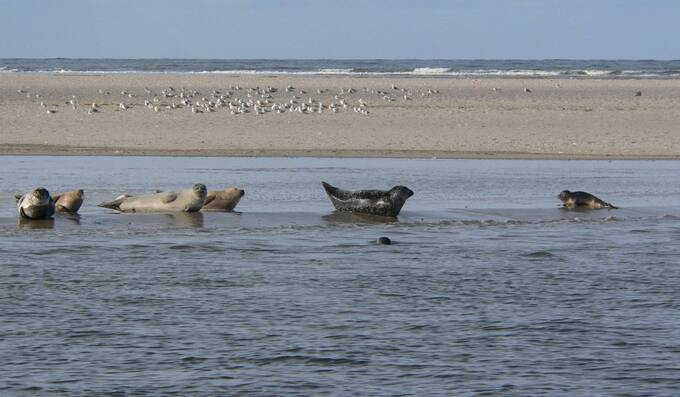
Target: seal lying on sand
{"points": [[69, 202], [222, 200], [187, 200], [374, 202], [35, 205], [582, 200]]}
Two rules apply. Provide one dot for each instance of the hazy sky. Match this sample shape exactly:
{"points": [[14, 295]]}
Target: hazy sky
{"points": [[588, 29]]}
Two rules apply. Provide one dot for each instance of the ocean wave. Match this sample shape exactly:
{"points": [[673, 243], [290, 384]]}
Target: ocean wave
{"points": [[431, 70], [426, 71]]}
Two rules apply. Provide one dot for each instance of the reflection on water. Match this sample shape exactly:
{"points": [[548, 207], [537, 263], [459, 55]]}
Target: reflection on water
{"points": [[489, 289], [347, 217], [25, 223]]}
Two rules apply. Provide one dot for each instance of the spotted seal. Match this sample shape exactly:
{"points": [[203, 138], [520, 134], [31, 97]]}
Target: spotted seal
{"points": [[187, 200], [386, 203], [222, 200], [582, 200], [69, 202], [37, 204]]}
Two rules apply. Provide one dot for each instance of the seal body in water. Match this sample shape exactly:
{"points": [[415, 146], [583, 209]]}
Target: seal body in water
{"points": [[36, 204], [374, 202], [187, 200], [222, 200], [582, 200], [69, 202]]}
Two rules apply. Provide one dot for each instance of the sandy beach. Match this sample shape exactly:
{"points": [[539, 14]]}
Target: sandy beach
{"points": [[421, 117]]}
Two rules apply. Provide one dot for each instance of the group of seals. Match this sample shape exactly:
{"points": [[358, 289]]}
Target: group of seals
{"points": [[38, 204], [195, 199]]}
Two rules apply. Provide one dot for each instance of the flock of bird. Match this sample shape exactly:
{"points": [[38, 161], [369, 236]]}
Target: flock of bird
{"points": [[239, 100]]}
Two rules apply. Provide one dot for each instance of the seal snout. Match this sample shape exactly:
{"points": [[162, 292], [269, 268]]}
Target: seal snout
{"points": [[242, 192]]}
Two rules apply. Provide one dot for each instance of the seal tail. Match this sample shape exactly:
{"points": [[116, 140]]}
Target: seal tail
{"points": [[115, 204], [605, 204]]}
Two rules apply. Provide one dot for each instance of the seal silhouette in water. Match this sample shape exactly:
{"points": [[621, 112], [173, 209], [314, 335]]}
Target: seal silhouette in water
{"points": [[36, 204], [187, 200], [69, 202], [582, 200], [374, 202], [222, 200]]}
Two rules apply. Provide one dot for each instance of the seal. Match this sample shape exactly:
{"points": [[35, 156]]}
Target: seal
{"points": [[222, 200], [69, 202], [383, 241], [37, 204], [582, 200], [386, 203], [187, 200]]}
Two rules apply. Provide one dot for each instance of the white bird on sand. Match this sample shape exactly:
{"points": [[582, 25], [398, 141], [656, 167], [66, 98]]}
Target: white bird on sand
{"points": [[526, 89], [123, 106]]}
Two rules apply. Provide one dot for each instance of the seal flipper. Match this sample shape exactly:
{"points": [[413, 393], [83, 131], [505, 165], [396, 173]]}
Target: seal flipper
{"points": [[168, 197], [115, 204], [604, 204], [209, 198], [608, 205]]}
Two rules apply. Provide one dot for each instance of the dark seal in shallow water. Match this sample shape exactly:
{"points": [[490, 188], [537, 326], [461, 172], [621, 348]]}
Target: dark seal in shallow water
{"points": [[582, 200], [375, 202], [383, 241]]}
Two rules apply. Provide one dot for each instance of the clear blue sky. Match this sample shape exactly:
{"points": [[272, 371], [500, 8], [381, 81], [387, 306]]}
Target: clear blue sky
{"points": [[458, 29]]}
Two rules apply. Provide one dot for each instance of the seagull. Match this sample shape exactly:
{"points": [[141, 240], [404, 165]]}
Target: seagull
{"points": [[526, 89], [638, 93]]}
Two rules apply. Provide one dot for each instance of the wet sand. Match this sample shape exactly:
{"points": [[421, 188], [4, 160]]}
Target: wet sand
{"points": [[446, 118]]}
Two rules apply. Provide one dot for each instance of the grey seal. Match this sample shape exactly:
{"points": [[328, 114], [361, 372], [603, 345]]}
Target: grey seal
{"points": [[386, 203], [187, 200], [36, 204], [582, 200], [69, 202], [222, 200], [383, 241]]}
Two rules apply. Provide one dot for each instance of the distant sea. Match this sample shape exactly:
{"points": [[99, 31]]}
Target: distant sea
{"points": [[549, 68]]}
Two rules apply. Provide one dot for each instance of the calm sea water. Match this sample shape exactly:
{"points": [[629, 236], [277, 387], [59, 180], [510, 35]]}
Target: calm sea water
{"points": [[490, 288], [552, 68]]}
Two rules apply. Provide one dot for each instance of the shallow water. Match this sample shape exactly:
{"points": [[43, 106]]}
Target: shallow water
{"points": [[489, 289]]}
